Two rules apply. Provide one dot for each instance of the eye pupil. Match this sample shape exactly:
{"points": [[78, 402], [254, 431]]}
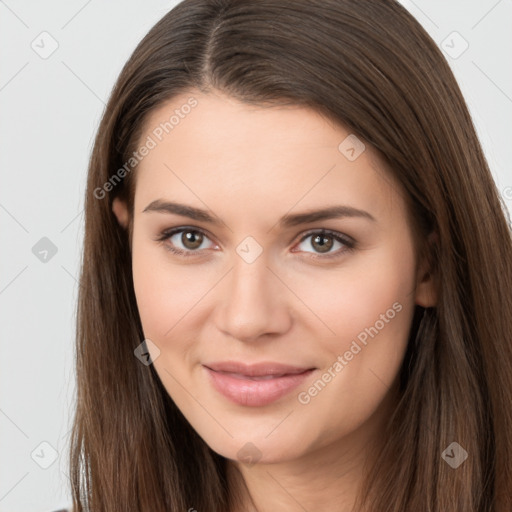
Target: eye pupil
{"points": [[191, 239], [321, 241]]}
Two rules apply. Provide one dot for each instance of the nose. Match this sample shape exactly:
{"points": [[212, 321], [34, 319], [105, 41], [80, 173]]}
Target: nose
{"points": [[253, 302]]}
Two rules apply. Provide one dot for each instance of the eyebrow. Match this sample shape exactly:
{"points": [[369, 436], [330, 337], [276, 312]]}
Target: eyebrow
{"points": [[288, 220]]}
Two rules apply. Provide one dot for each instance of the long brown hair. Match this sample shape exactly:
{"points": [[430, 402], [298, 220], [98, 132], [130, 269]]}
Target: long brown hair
{"points": [[369, 65]]}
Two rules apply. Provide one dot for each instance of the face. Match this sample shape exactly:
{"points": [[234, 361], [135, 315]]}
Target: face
{"points": [[278, 332]]}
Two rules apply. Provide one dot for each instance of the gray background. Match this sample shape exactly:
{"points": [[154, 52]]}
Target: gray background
{"points": [[50, 108]]}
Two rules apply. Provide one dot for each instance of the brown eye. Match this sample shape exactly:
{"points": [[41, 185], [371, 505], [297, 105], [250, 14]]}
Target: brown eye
{"points": [[191, 239], [322, 242], [183, 241]]}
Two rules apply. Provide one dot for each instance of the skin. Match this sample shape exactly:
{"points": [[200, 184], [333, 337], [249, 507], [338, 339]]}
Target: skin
{"points": [[249, 166]]}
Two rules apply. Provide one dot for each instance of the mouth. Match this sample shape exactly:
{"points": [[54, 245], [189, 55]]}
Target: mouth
{"points": [[255, 385]]}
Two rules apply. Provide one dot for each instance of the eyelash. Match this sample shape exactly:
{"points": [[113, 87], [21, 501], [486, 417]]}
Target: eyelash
{"points": [[348, 242]]}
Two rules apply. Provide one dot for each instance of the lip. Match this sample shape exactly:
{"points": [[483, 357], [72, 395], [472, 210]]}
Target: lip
{"points": [[255, 385]]}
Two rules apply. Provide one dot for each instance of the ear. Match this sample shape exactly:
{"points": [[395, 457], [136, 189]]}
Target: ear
{"points": [[120, 210], [426, 293]]}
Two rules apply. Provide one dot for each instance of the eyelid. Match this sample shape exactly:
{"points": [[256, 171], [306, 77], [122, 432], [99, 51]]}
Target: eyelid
{"points": [[168, 233], [348, 242], [325, 231]]}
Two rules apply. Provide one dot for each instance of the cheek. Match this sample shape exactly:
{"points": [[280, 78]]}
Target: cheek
{"points": [[164, 292], [370, 309], [352, 298]]}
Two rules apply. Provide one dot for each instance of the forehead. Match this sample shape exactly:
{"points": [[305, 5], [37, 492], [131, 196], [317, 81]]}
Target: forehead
{"points": [[238, 154], [216, 116]]}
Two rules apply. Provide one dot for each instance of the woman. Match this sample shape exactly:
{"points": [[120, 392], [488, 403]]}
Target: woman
{"points": [[297, 270]]}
